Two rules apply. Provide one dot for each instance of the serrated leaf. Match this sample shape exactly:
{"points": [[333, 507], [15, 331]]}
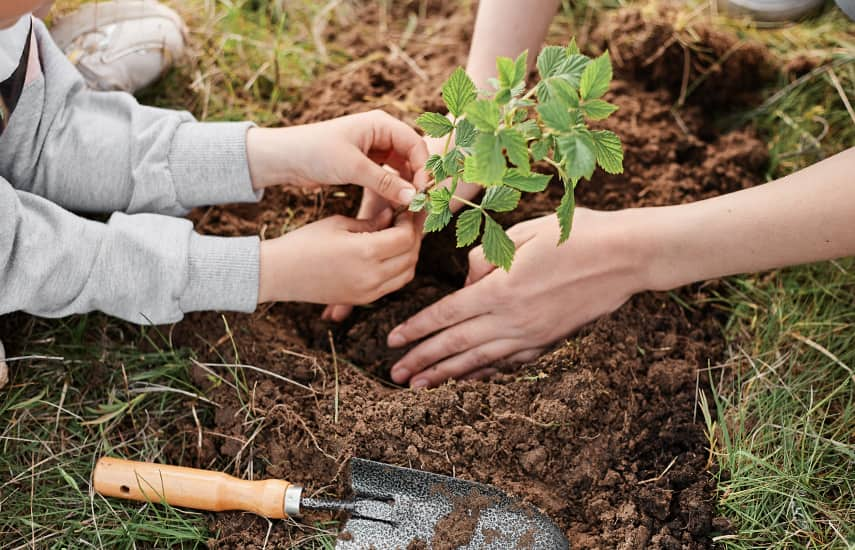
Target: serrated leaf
{"points": [[434, 124], [489, 161], [505, 70], [515, 144], [450, 162], [565, 213], [418, 203], [458, 91], [597, 109], [596, 78], [498, 247], [540, 148], [465, 134], [468, 227], [528, 128], [484, 115], [437, 221], [439, 199], [500, 199], [572, 68], [434, 166], [572, 48], [560, 90], [503, 96], [608, 150], [470, 170], [520, 70], [577, 151], [555, 115], [528, 183], [549, 61]]}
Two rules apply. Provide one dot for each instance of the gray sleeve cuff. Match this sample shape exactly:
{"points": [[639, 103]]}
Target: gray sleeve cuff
{"points": [[223, 274], [209, 165]]}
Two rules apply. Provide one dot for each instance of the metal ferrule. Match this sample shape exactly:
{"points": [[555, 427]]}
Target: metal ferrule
{"points": [[293, 496]]}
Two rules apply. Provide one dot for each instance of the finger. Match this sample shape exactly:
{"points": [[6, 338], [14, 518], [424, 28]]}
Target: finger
{"points": [[391, 134], [399, 239], [481, 374], [455, 308], [525, 356], [337, 313], [374, 224], [394, 266], [397, 282], [370, 175], [465, 363], [479, 267], [457, 339]]}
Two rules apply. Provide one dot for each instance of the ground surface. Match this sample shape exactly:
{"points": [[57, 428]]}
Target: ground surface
{"points": [[602, 433]]}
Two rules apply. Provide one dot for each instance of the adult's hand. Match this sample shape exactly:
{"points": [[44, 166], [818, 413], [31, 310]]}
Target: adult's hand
{"points": [[549, 293], [351, 149]]}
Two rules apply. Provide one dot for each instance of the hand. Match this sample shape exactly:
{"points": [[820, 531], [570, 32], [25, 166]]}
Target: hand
{"points": [[340, 260], [549, 293], [350, 149]]}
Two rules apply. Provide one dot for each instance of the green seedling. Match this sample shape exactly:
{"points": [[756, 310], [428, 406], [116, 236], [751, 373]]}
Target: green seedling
{"points": [[493, 139]]}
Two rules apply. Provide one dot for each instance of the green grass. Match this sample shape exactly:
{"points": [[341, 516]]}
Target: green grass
{"points": [[784, 430]]}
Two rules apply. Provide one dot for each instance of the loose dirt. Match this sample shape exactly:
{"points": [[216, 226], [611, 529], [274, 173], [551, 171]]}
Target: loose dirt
{"points": [[601, 433]]}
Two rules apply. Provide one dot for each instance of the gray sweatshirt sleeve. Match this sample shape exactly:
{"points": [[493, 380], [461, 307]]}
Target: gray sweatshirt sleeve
{"points": [[91, 151], [144, 268]]}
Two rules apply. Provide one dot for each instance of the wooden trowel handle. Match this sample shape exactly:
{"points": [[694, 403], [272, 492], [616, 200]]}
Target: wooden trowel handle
{"points": [[189, 487]]}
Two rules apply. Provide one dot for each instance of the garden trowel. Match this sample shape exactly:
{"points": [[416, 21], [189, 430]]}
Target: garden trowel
{"points": [[392, 508]]}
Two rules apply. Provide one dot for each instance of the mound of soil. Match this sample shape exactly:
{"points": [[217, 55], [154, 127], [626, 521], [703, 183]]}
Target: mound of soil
{"points": [[600, 433]]}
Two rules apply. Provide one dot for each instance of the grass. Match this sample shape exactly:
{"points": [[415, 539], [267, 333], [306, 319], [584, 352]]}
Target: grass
{"points": [[783, 422]]}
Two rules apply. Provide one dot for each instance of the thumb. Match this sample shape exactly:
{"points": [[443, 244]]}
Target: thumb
{"points": [[385, 183], [377, 223], [479, 267]]}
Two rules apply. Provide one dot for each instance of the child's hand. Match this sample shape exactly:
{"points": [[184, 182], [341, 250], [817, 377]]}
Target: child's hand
{"points": [[340, 260], [350, 149]]}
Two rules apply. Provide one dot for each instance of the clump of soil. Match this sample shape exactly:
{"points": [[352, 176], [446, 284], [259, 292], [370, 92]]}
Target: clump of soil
{"points": [[457, 528], [656, 45], [600, 433]]}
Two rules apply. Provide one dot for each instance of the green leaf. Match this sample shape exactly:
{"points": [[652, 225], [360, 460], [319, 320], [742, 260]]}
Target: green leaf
{"points": [[609, 151], [520, 70], [500, 199], [484, 114], [503, 96], [560, 90], [434, 124], [498, 247], [505, 69], [528, 128], [596, 77], [572, 48], [549, 61], [468, 227], [540, 148], [489, 161], [437, 221], [565, 213], [418, 203], [458, 91], [573, 68], [450, 162], [555, 115], [577, 150], [514, 143], [439, 199], [470, 170], [433, 162], [465, 134], [530, 183], [597, 109]]}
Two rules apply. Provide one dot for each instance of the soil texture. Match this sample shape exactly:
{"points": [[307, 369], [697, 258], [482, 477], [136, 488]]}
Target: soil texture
{"points": [[601, 433]]}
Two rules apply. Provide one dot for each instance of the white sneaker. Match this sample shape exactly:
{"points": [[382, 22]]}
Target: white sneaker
{"points": [[771, 11], [121, 45]]}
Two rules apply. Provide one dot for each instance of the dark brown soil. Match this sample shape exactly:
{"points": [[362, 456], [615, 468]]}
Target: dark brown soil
{"points": [[600, 433]]}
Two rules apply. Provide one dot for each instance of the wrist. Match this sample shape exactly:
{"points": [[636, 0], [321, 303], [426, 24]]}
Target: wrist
{"points": [[270, 273], [269, 157], [660, 237]]}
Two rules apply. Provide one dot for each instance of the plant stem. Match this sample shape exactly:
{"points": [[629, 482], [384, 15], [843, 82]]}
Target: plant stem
{"points": [[448, 139], [466, 202]]}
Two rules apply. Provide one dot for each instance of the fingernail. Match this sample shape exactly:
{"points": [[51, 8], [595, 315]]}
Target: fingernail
{"points": [[406, 195], [396, 340], [419, 384]]}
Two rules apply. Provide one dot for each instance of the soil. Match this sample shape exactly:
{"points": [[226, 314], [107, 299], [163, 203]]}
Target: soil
{"points": [[601, 432]]}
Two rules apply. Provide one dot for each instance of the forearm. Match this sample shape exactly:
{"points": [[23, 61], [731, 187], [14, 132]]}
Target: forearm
{"points": [[502, 28], [102, 152], [805, 217]]}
